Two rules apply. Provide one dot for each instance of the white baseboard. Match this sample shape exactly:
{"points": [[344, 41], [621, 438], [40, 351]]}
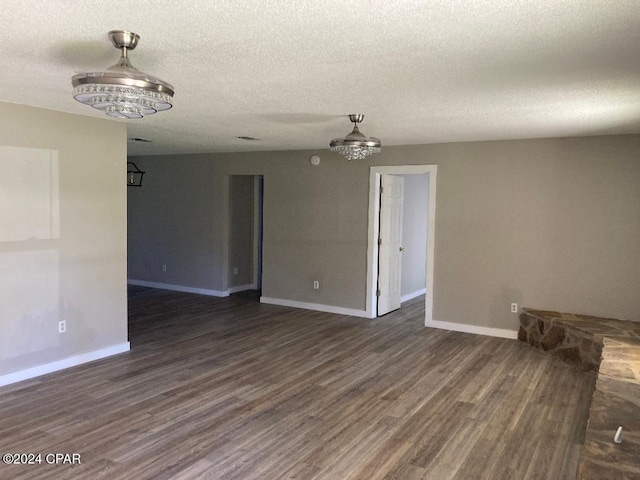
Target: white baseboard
{"points": [[456, 327], [241, 288], [315, 306], [411, 296], [478, 330], [179, 288], [62, 364]]}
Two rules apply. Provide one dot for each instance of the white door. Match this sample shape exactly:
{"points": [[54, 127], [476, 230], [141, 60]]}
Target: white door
{"points": [[390, 243]]}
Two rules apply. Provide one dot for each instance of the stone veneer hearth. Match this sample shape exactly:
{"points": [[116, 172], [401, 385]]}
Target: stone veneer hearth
{"points": [[609, 348]]}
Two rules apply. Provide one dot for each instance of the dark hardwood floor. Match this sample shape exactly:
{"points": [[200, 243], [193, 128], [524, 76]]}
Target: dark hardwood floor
{"points": [[233, 389]]}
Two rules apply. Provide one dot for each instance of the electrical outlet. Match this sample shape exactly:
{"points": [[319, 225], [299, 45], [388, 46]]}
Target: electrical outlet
{"points": [[514, 308], [235, 270], [62, 326], [316, 285], [164, 267]]}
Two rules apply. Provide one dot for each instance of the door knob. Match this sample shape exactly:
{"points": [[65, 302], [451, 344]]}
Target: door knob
{"points": [[402, 249]]}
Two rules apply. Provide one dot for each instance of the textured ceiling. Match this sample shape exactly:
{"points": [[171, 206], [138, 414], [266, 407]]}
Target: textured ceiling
{"points": [[288, 72]]}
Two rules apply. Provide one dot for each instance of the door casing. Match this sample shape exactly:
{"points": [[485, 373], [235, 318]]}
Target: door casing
{"points": [[374, 226]]}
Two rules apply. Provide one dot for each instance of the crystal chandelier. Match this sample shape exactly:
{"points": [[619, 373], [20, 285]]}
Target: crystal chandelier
{"points": [[355, 146], [123, 91]]}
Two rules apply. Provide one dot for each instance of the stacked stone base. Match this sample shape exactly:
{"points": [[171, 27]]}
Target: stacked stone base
{"points": [[546, 331], [611, 349]]}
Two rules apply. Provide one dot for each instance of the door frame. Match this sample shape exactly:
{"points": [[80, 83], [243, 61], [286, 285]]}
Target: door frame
{"points": [[374, 228]]}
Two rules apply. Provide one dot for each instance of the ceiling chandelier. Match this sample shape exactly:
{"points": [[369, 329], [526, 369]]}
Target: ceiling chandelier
{"points": [[123, 91], [355, 146]]}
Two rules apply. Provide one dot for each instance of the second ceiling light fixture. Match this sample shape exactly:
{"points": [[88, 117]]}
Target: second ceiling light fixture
{"points": [[355, 146]]}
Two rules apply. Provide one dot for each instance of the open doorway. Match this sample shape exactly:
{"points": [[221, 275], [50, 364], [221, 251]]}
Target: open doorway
{"points": [[402, 239], [420, 228], [243, 234]]}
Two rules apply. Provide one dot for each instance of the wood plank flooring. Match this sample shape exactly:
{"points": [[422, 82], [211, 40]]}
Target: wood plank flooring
{"points": [[231, 389]]}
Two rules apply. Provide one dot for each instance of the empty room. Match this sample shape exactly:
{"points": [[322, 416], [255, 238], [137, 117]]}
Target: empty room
{"points": [[320, 240]]}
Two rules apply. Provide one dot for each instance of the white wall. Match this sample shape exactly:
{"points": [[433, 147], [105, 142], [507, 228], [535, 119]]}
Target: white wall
{"points": [[62, 239], [414, 234]]}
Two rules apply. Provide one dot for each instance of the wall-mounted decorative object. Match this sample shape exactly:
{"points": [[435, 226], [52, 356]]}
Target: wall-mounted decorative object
{"points": [[355, 146], [123, 91], [314, 160], [134, 175]]}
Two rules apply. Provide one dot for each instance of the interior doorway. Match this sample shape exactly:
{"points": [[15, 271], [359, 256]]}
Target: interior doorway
{"points": [[377, 271], [258, 224], [242, 236]]}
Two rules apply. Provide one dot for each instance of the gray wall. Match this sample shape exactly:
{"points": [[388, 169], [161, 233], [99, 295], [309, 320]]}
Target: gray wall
{"points": [[62, 236], [241, 201], [551, 223], [176, 220], [414, 233]]}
